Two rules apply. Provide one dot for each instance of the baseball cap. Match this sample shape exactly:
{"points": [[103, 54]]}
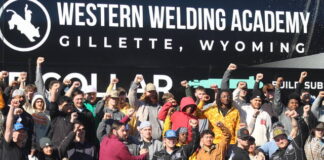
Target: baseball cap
{"points": [[170, 134], [320, 126], [113, 94], [243, 133], [278, 131], [90, 89], [150, 87], [44, 141], [18, 126], [18, 92]]}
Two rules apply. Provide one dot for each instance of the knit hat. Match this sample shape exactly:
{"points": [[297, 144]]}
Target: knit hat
{"points": [[150, 87], [44, 141], [257, 94], [18, 92], [182, 130], [144, 125]]}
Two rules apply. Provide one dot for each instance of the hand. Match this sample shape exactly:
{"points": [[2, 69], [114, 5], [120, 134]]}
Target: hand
{"points": [[256, 113], [76, 84], [143, 151], [114, 81], [291, 114], [22, 76], [206, 98], [32, 152], [193, 123], [306, 108], [74, 116], [171, 111], [219, 124], [130, 112], [232, 67], [40, 60], [259, 77], [138, 79], [3, 74], [15, 103], [303, 74], [67, 82], [242, 85], [76, 128], [13, 83], [214, 87], [279, 81], [184, 83], [260, 156], [18, 111], [107, 116], [321, 94]]}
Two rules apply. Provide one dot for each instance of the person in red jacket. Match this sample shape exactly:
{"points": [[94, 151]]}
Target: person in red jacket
{"points": [[180, 118], [113, 148]]}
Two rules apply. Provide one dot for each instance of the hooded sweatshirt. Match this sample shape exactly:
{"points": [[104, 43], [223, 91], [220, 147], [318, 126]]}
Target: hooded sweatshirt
{"points": [[181, 118], [41, 119]]}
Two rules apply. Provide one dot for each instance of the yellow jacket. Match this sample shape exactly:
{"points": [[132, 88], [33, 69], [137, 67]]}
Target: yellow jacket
{"points": [[231, 121], [132, 123], [2, 102]]}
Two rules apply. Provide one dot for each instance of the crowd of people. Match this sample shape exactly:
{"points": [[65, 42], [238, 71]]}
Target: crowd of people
{"points": [[65, 122]]}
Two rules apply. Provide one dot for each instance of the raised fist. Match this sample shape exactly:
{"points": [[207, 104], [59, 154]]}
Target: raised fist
{"points": [[40, 60], [232, 67], [171, 111], [279, 81], [193, 123], [138, 78], [107, 116], [303, 74], [206, 98], [259, 77], [306, 108], [76, 84], [130, 112], [67, 82], [321, 94], [114, 81]]}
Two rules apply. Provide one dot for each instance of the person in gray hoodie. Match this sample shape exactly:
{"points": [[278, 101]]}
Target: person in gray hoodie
{"points": [[40, 116]]}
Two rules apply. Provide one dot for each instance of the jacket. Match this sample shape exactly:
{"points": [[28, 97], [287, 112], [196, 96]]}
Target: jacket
{"points": [[180, 153], [295, 148], [217, 151], [155, 146], [111, 148], [146, 112], [231, 121], [180, 118]]}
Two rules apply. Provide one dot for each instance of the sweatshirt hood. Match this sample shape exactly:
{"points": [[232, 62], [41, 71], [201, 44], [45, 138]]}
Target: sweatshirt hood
{"points": [[186, 101], [38, 96]]}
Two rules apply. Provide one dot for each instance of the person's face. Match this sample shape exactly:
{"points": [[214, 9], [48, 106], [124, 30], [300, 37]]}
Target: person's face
{"points": [[243, 93], [189, 109], [92, 97], [30, 94], [252, 148], [122, 98], [269, 94], [146, 132], [170, 142], [225, 98], [244, 142], [19, 136], [77, 101], [319, 133], [48, 150], [172, 101], [256, 103], [81, 130], [293, 104], [56, 85], [112, 101], [39, 104], [200, 94], [207, 140], [281, 141], [183, 138], [121, 133], [150, 94], [305, 97]]}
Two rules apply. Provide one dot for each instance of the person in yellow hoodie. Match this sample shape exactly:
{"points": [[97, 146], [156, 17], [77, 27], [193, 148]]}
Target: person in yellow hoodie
{"points": [[223, 112]]}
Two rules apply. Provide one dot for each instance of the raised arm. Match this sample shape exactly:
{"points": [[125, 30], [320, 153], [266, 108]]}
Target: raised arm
{"points": [[132, 94], [258, 78], [226, 76], [278, 106], [190, 148], [188, 89], [10, 119], [75, 85], [317, 104], [39, 82], [300, 84]]}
